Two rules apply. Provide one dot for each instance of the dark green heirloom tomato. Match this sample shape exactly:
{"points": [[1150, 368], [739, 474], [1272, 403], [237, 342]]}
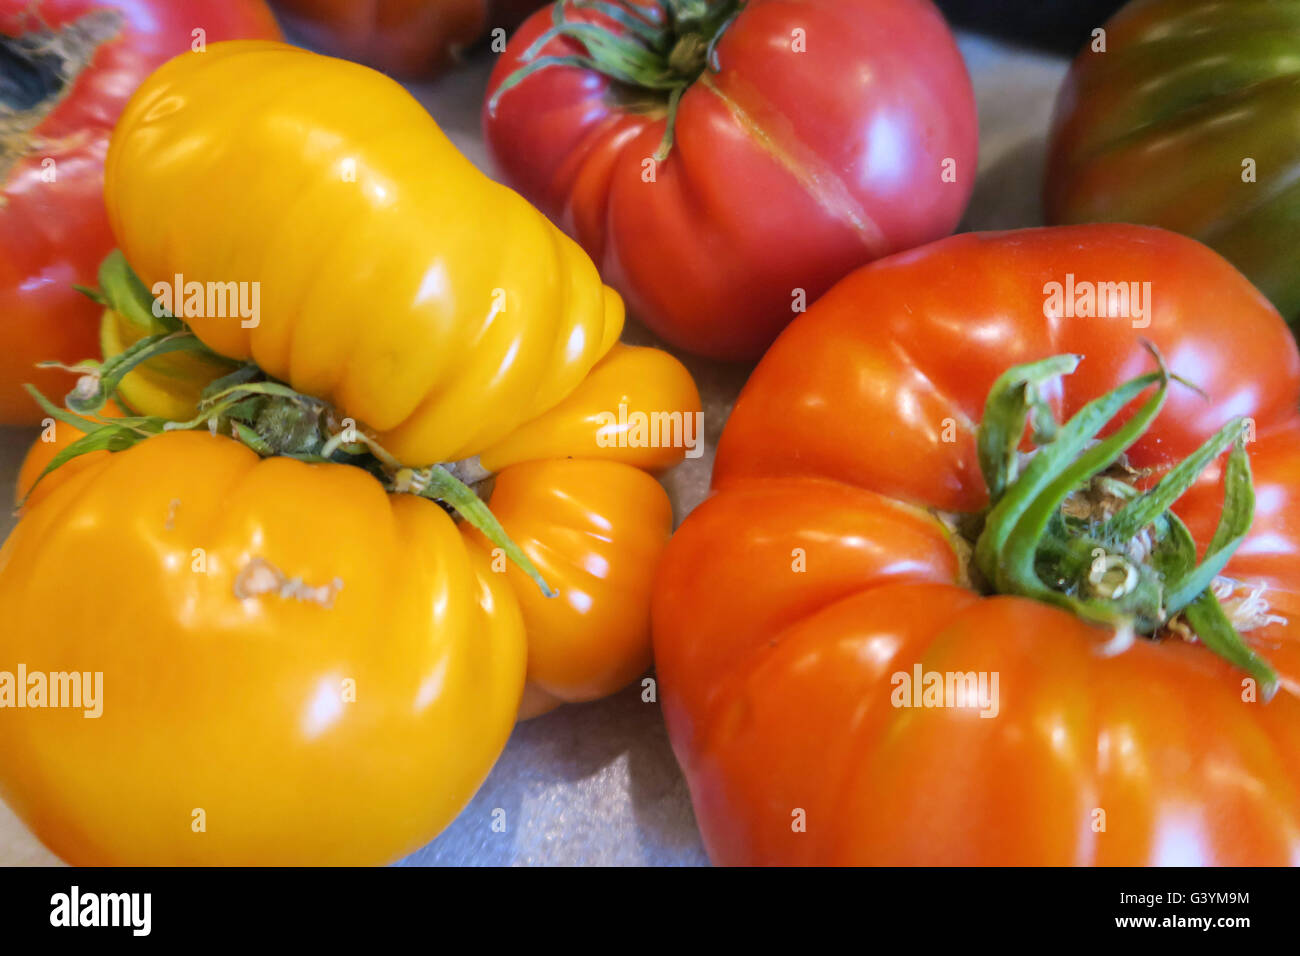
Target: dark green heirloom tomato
{"points": [[1189, 119]]}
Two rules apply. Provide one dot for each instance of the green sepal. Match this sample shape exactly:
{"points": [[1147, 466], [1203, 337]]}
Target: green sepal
{"points": [[62, 414], [117, 435], [1057, 469], [1144, 509], [1213, 629], [1012, 399], [252, 439], [440, 484], [113, 370], [652, 35], [124, 292], [242, 375], [1234, 523], [109, 437], [1028, 537], [665, 58]]}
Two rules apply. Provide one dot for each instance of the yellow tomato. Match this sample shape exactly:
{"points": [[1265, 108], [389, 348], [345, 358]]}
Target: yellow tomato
{"points": [[380, 270], [296, 666], [572, 491]]}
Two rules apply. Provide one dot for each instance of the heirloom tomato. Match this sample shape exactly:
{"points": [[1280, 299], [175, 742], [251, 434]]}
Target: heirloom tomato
{"points": [[411, 38], [66, 70], [1183, 115], [904, 631], [725, 162], [383, 274], [304, 657]]}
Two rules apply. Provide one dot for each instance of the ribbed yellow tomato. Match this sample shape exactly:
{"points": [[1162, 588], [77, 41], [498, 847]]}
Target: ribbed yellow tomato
{"points": [[396, 281]]}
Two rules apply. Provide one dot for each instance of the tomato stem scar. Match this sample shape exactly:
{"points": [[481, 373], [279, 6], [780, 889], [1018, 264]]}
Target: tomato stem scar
{"points": [[663, 49]]}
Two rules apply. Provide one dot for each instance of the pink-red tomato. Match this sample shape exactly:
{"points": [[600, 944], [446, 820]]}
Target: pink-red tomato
{"points": [[831, 132]]}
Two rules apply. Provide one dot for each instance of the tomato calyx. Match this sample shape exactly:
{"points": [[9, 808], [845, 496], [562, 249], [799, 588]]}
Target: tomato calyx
{"points": [[661, 48], [1068, 524], [268, 416], [37, 69]]}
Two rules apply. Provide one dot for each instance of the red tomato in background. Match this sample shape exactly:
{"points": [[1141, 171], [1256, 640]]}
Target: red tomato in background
{"points": [[855, 431], [408, 38], [819, 144], [53, 227]]}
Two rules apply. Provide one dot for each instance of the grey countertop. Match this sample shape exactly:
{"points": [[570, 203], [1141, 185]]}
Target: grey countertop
{"points": [[597, 783]]}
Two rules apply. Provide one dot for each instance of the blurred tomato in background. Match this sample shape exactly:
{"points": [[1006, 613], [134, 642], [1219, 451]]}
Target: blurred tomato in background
{"points": [[1187, 119], [407, 38], [67, 68]]}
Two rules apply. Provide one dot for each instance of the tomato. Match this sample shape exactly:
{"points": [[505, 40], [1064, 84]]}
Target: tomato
{"points": [[828, 135], [832, 568], [347, 720], [1186, 120], [478, 313], [379, 652], [413, 38], [53, 230]]}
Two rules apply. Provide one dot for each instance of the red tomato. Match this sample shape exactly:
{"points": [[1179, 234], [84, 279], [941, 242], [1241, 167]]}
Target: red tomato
{"points": [[826, 138], [67, 67], [790, 602], [404, 37]]}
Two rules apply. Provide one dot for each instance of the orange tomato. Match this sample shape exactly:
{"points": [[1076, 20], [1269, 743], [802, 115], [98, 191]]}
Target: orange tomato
{"points": [[828, 571]]}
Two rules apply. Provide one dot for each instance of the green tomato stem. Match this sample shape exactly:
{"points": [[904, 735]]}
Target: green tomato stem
{"points": [[663, 51], [1133, 569]]}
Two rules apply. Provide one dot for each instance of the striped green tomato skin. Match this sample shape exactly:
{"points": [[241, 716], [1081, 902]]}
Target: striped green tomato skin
{"points": [[1189, 119]]}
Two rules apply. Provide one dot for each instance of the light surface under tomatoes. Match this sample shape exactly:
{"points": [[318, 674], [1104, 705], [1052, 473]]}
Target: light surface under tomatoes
{"points": [[788, 604]]}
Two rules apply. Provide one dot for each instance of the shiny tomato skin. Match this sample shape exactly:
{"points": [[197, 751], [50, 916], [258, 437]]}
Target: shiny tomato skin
{"points": [[595, 522], [789, 601], [55, 234], [407, 38], [596, 530], [788, 168]]}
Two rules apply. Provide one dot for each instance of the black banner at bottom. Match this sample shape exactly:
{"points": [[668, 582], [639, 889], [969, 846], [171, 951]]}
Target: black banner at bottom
{"points": [[619, 906]]}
